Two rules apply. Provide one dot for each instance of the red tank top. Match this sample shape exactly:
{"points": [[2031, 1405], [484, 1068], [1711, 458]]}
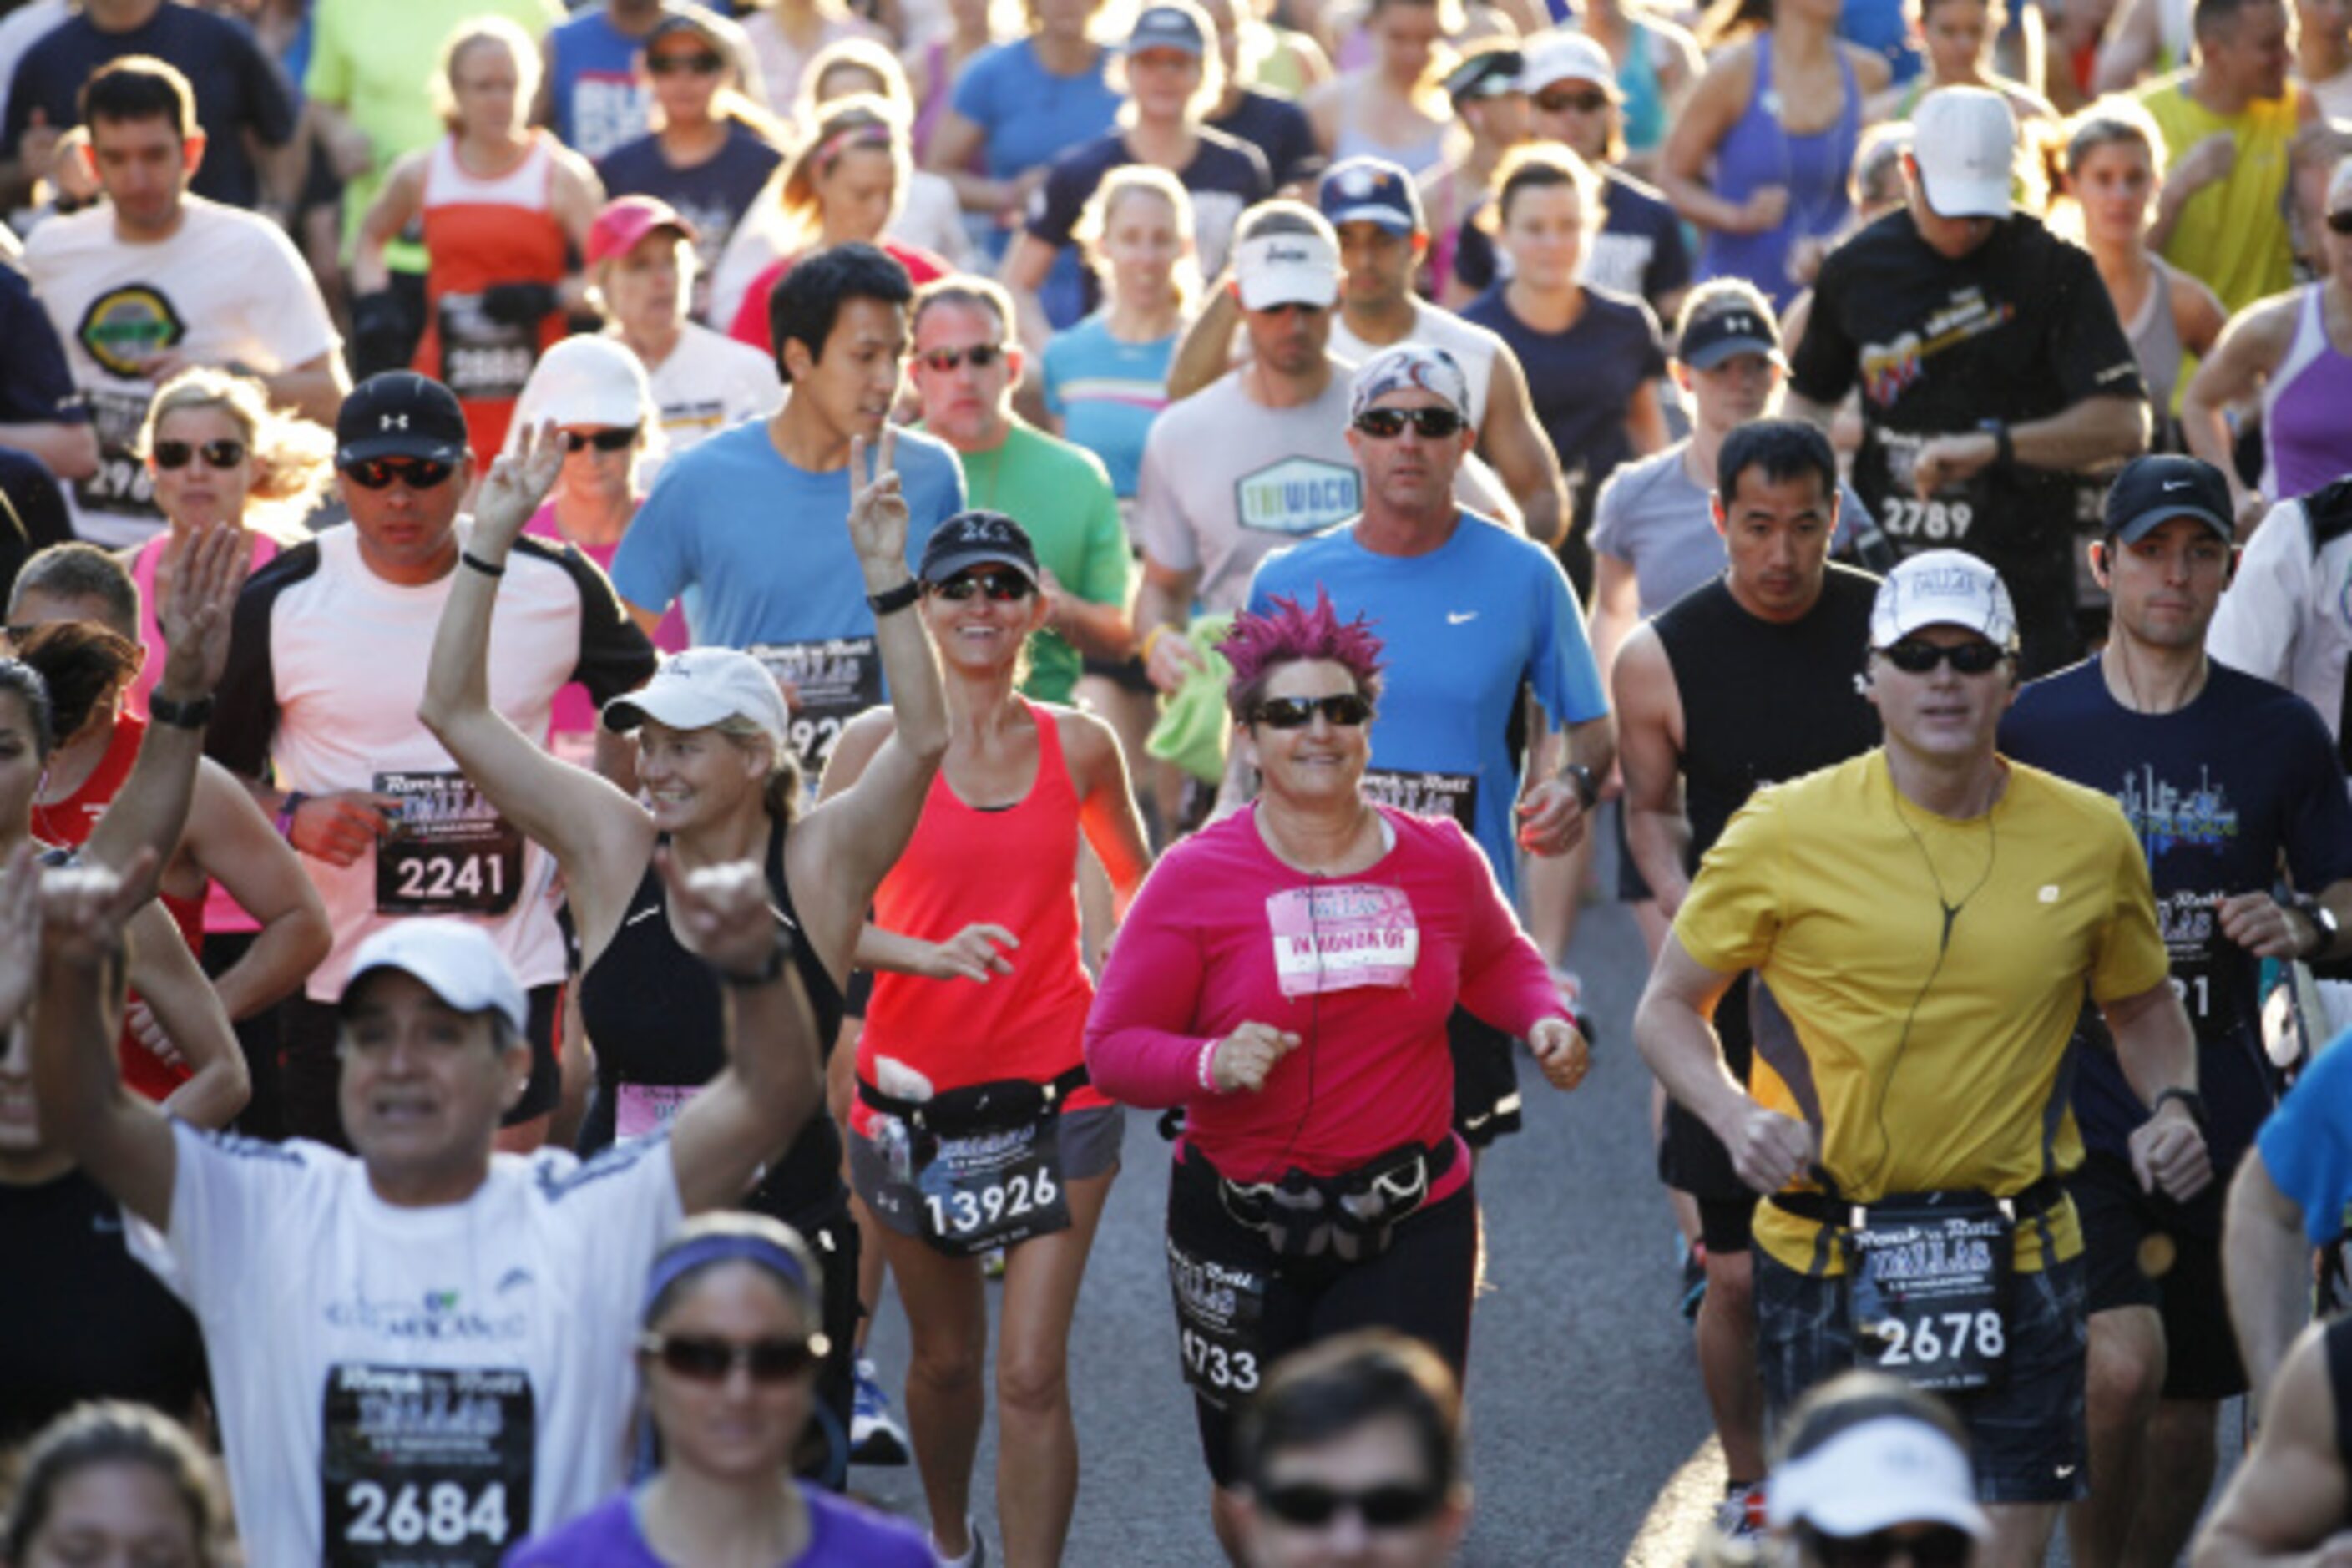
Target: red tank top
{"points": [[68, 822], [479, 232], [1018, 868]]}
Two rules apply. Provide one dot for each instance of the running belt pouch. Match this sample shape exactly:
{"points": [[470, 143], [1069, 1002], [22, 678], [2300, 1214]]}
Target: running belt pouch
{"points": [[1350, 1217], [1929, 1277]]}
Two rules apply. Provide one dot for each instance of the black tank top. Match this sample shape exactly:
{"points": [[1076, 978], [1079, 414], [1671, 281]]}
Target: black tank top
{"points": [[1765, 701], [653, 1011]]}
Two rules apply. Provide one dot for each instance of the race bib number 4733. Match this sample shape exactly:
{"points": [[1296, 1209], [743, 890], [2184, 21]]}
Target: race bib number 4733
{"points": [[425, 1468]]}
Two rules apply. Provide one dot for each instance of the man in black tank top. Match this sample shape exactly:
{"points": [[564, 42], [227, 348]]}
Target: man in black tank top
{"points": [[2291, 1497], [1753, 678]]}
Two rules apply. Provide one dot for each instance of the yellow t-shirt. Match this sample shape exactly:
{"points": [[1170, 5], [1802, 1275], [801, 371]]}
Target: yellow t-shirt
{"points": [[2233, 233], [1919, 1071]]}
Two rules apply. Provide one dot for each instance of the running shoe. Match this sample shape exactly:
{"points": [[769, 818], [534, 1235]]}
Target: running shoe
{"points": [[1740, 1515], [874, 1435], [975, 1555]]}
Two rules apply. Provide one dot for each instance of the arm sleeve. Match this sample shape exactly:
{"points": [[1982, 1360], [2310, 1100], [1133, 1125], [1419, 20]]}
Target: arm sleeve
{"points": [[2255, 628], [2091, 357], [1732, 916], [974, 97], [2131, 956], [1609, 520], [1167, 536], [2307, 1145], [1567, 681], [1827, 359], [653, 563], [1143, 1040], [614, 656], [1505, 981], [226, 1193]]}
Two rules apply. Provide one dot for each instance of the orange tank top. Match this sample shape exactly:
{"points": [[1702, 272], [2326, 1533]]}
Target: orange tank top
{"points": [[1016, 868], [68, 822], [479, 232]]}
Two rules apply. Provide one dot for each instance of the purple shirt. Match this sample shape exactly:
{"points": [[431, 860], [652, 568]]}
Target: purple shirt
{"points": [[841, 1535]]}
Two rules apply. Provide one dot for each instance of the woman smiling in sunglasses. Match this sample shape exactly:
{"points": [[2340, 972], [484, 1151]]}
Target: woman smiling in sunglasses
{"points": [[974, 1126], [729, 1359], [1320, 1185]]}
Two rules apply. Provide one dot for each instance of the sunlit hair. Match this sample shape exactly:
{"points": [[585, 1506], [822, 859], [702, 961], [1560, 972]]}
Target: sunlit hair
{"points": [[1259, 645], [1876, 182], [1101, 210], [488, 29], [1212, 67], [293, 459], [2054, 155], [2106, 122], [846, 124], [115, 1432], [853, 54]]}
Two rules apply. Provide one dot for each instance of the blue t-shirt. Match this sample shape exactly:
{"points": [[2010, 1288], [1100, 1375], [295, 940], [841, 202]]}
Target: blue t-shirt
{"points": [[1583, 382], [841, 1535], [2215, 791], [1277, 128], [1465, 626], [1030, 116], [35, 386], [1225, 177], [713, 196], [592, 82], [2307, 1144], [239, 90], [1106, 392], [758, 548]]}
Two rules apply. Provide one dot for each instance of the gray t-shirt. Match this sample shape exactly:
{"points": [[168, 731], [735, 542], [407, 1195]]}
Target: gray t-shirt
{"points": [[1652, 514], [1225, 480]]}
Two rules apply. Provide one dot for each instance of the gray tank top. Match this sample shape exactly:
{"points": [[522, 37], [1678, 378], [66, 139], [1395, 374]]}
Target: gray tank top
{"points": [[2154, 340]]}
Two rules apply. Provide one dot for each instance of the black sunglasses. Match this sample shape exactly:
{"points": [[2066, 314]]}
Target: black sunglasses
{"points": [[1592, 100], [2341, 222], [216, 454], [1388, 424], [1913, 656], [1344, 708], [1389, 1507], [714, 1359], [619, 440], [946, 361], [417, 473], [704, 64], [1004, 587], [1943, 1546]]}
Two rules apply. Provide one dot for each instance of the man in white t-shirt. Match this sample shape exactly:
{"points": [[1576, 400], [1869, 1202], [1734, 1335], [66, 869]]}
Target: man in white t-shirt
{"points": [[155, 280], [325, 674], [642, 261], [422, 1354]]}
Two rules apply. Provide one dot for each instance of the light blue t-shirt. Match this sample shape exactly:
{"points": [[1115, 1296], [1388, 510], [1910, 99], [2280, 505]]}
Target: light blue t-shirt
{"points": [[1106, 392], [759, 549], [1032, 117], [1464, 626], [592, 82]]}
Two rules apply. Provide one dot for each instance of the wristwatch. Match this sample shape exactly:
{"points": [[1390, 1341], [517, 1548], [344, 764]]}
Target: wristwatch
{"points": [[894, 599], [1587, 787], [193, 714], [2190, 1101], [2323, 920], [2004, 449]]}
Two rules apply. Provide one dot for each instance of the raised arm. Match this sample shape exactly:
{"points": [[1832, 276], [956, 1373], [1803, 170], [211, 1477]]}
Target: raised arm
{"points": [[772, 1082], [1205, 352], [66, 927], [598, 835], [198, 597]]}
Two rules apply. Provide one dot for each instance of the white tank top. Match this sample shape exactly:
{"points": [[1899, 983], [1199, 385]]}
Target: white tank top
{"points": [[525, 185]]}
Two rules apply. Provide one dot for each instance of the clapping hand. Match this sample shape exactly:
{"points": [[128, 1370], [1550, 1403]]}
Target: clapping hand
{"points": [[517, 486]]}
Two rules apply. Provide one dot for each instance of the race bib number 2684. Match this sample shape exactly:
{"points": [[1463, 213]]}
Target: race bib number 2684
{"points": [[425, 1468]]}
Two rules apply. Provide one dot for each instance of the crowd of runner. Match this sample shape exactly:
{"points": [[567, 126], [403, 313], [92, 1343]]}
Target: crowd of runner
{"points": [[658, 658]]}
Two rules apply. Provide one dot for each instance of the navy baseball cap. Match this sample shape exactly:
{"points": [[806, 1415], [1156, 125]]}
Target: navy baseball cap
{"points": [[1371, 190], [1167, 27], [400, 414], [1726, 325], [1485, 73], [977, 538], [2153, 489]]}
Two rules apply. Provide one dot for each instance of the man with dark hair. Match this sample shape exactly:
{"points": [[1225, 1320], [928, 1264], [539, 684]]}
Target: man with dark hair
{"points": [[157, 278], [2221, 775], [1353, 1452], [238, 91], [749, 520], [1746, 681], [2230, 123]]}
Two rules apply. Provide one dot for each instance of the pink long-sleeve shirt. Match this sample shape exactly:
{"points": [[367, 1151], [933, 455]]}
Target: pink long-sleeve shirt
{"points": [[1365, 969]]}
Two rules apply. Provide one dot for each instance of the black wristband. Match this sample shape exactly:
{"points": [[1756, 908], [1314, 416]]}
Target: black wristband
{"points": [[1587, 788], [2190, 1101], [194, 714], [891, 600], [479, 565], [767, 974], [2004, 449]]}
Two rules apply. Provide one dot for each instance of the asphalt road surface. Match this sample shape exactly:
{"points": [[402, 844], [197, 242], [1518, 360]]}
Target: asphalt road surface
{"points": [[1590, 1443]]}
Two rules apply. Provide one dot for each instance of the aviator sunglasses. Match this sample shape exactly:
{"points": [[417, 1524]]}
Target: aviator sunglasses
{"points": [[947, 361], [1390, 1506], [1344, 708], [224, 454], [417, 473], [1388, 424], [615, 440], [1004, 587], [1913, 656], [708, 1360]]}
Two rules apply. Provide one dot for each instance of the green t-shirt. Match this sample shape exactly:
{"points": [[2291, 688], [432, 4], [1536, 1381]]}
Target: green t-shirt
{"points": [[1061, 495], [375, 62]]}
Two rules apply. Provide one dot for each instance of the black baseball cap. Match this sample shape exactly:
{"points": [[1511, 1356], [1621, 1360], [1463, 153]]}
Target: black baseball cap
{"points": [[1485, 73], [2155, 490], [972, 539], [400, 414], [1724, 326]]}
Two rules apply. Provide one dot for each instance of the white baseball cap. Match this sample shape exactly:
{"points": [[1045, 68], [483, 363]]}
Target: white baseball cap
{"points": [[1965, 141], [1563, 55], [702, 687], [1942, 588], [587, 380], [457, 962], [1890, 1470], [1292, 267]]}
